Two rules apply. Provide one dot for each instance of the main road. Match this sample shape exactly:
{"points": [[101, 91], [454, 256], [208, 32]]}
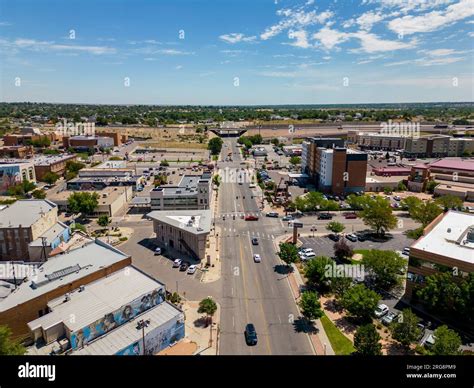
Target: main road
{"points": [[252, 292]]}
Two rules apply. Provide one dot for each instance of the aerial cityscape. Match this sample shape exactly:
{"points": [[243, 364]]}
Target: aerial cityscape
{"points": [[238, 178]]}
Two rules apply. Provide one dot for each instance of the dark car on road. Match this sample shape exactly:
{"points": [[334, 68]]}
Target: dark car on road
{"points": [[362, 237], [324, 216], [333, 237], [272, 214], [255, 241], [184, 266], [351, 237], [251, 218], [250, 334]]}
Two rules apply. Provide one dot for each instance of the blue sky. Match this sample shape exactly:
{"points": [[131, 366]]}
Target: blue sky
{"points": [[231, 52]]}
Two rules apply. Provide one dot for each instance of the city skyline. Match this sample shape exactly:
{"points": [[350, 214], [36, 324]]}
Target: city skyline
{"points": [[237, 53]]}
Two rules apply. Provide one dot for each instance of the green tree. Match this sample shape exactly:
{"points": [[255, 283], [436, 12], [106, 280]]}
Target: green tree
{"points": [[73, 166], [9, 347], [103, 221], [450, 202], [366, 341], [310, 305], [294, 160], [215, 145], [50, 178], [401, 187], [339, 285], [360, 302], [335, 227], [207, 306], [342, 250], [316, 271], [19, 190], [386, 267], [410, 202], [83, 202], [378, 215], [447, 342], [441, 293], [425, 212], [39, 194], [288, 253], [430, 186], [164, 163], [406, 331]]}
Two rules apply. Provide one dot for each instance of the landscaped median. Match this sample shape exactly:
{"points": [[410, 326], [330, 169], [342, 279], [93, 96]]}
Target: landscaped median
{"points": [[339, 342]]}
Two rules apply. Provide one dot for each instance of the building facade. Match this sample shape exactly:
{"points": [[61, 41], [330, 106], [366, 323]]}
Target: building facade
{"points": [[12, 173]]}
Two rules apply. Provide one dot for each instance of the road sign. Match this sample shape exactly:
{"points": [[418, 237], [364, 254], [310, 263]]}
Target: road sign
{"points": [[297, 224]]}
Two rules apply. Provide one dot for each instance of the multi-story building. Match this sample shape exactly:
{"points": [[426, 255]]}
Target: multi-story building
{"points": [[15, 171], [52, 163], [86, 142], [118, 138], [192, 192], [334, 168], [427, 146], [376, 141], [107, 312], [460, 146], [55, 278], [19, 152], [447, 245], [25, 222], [186, 231]]}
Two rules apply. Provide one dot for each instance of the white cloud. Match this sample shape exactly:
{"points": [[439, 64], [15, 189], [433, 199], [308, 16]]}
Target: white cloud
{"points": [[442, 52], [331, 38], [301, 38], [371, 43], [427, 61], [235, 37], [295, 19], [406, 6], [434, 20], [35, 45], [368, 19]]}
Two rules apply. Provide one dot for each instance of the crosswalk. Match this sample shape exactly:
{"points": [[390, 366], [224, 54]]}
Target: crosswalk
{"points": [[255, 214], [249, 233]]}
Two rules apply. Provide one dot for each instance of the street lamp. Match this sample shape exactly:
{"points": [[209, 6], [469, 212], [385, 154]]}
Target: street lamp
{"points": [[141, 324]]}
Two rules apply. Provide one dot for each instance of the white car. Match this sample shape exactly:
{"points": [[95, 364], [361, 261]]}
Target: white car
{"points": [[257, 258], [157, 251], [406, 251], [307, 256], [177, 263], [192, 269], [304, 251], [381, 310]]}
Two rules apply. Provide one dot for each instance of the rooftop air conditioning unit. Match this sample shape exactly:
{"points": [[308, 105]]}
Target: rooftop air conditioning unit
{"points": [[64, 344]]}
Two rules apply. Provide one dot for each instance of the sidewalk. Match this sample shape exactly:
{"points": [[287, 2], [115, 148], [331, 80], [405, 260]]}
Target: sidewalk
{"points": [[319, 339]]}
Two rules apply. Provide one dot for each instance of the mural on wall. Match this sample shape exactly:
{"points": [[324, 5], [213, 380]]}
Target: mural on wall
{"points": [[157, 340], [120, 316], [8, 177]]}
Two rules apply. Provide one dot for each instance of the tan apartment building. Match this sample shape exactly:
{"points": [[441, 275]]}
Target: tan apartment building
{"points": [[52, 163]]}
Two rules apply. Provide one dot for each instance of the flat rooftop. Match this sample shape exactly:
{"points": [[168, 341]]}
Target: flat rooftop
{"points": [[193, 221], [98, 299], [47, 160], [107, 195], [126, 334], [448, 237], [63, 269], [24, 212], [51, 234]]}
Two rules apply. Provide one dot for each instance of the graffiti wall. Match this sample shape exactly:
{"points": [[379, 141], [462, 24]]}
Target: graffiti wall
{"points": [[116, 318]]}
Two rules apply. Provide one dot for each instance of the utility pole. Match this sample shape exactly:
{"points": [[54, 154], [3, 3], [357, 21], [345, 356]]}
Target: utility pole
{"points": [[141, 325]]}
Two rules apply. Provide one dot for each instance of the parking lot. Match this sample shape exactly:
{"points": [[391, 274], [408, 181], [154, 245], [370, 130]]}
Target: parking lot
{"points": [[323, 246]]}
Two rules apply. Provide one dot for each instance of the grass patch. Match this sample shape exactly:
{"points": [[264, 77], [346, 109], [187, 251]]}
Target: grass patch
{"points": [[341, 345], [362, 251]]}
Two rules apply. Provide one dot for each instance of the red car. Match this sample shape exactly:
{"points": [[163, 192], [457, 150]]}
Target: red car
{"points": [[350, 216], [251, 218]]}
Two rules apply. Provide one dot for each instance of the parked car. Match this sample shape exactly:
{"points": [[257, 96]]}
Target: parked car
{"points": [[362, 237], [307, 256], [251, 218], [192, 269], [157, 251], [250, 334], [333, 237], [381, 310], [257, 258], [324, 216], [406, 251], [287, 218], [255, 241], [184, 266], [351, 237], [389, 318], [350, 216], [397, 198], [177, 263], [272, 214]]}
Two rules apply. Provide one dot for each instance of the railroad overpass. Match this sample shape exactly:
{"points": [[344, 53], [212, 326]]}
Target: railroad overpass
{"points": [[229, 132]]}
